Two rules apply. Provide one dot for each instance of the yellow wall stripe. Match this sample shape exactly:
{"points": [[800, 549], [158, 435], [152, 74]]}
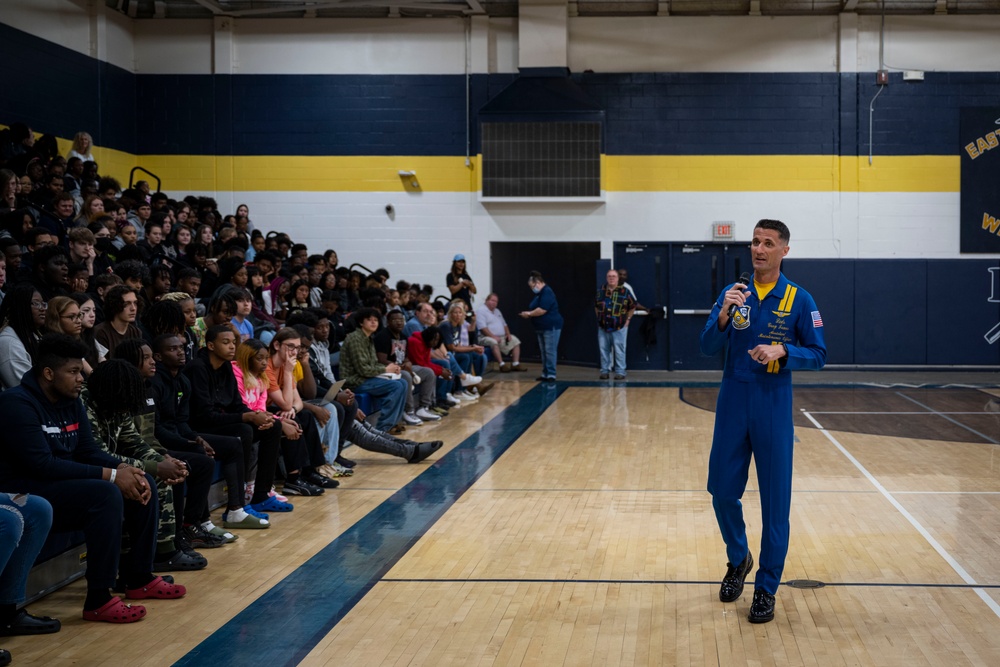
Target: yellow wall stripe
{"points": [[760, 173], [622, 173]]}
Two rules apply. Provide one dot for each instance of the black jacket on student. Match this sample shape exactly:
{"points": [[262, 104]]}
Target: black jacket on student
{"points": [[215, 397], [46, 441]]}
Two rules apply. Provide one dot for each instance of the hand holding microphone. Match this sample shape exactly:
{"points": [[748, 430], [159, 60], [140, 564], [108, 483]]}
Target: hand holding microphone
{"points": [[735, 297], [737, 292]]}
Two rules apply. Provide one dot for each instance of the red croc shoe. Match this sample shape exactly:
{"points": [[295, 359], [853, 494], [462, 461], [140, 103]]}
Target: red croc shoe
{"points": [[158, 589], [116, 611]]}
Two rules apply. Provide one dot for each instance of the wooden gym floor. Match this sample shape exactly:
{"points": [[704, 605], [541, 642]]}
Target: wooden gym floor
{"points": [[568, 525]]}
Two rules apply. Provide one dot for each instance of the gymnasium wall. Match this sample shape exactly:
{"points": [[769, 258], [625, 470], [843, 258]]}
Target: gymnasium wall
{"points": [[707, 119]]}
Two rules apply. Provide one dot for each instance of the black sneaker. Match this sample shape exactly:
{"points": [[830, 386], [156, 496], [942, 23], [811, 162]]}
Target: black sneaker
{"points": [[301, 487], [199, 538], [762, 608], [732, 583], [322, 481], [347, 463]]}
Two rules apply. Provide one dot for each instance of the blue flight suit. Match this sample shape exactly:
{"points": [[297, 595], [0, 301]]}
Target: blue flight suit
{"points": [[754, 416]]}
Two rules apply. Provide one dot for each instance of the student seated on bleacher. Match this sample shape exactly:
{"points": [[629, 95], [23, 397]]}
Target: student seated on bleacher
{"points": [[362, 371], [24, 524], [121, 304], [217, 407], [191, 496], [114, 393], [300, 421], [47, 448], [172, 392], [22, 314]]}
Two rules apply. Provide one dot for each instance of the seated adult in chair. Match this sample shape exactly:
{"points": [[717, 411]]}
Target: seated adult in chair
{"points": [[495, 334]]}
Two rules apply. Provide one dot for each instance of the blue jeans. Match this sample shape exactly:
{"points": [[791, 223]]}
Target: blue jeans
{"points": [[612, 345], [473, 363], [548, 344], [442, 386], [329, 435], [22, 533], [390, 398]]}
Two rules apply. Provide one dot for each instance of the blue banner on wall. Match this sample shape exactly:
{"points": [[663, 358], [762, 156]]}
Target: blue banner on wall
{"points": [[980, 207]]}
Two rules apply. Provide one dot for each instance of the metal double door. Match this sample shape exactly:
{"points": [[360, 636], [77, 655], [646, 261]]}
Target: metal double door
{"points": [[678, 283]]}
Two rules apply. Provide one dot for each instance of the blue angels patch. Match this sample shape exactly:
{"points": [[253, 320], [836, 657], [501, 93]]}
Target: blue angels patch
{"points": [[741, 318]]}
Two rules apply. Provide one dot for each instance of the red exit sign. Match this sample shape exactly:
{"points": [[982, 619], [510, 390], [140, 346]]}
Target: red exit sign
{"points": [[722, 231]]}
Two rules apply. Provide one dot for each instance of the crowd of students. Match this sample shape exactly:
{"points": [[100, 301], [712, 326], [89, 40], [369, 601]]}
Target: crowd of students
{"points": [[145, 339]]}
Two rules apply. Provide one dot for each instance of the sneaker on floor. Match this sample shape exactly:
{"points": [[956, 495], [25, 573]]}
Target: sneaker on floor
{"points": [[274, 494], [336, 470], [439, 410], [397, 429], [301, 487], [426, 415], [471, 380], [451, 400], [347, 463], [199, 538], [604, 376], [466, 396], [619, 376], [321, 480], [505, 368], [248, 489], [411, 419], [518, 368]]}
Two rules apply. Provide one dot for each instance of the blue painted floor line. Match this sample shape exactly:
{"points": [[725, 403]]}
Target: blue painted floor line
{"points": [[287, 622]]}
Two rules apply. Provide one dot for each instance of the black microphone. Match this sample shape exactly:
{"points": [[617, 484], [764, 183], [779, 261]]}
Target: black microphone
{"points": [[744, 280]]}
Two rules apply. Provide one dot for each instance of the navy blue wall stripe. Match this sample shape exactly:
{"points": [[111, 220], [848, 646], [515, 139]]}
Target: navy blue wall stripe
{"points": [[287, 622], [60, 91]]}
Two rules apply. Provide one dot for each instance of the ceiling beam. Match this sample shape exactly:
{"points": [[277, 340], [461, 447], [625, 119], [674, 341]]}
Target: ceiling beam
{"points": [[352, 4], [212, 6]]}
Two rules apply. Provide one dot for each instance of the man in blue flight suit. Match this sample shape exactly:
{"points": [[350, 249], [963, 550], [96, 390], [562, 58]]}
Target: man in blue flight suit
{"points": [[768, 328]]}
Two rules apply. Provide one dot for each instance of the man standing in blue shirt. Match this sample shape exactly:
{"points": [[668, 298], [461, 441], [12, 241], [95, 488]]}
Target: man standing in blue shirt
{"points": [[768, 329], [543, 311]]}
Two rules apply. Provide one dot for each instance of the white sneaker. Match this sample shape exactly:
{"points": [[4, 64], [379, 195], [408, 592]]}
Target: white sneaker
{"points": [[470, 380], [427, 415], [411, 420], [466, 396], [452, 400]]}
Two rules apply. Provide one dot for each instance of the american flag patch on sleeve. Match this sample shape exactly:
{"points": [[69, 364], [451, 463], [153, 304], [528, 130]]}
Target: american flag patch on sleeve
{"points": [[817, 319]]}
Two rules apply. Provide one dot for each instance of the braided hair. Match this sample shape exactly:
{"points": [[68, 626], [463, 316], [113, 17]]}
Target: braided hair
{"points": [[165, 316], [130, 350], [115, 387]]}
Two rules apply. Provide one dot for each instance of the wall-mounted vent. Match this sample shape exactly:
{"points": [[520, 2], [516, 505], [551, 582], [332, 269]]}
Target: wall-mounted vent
{"points": [[541, 139], [555, 159]]}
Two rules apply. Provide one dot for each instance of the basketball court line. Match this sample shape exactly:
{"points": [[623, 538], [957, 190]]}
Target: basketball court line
{"points": [[284, 625], [671, 582], [953, 421], [890, 412], [959, 570]]}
